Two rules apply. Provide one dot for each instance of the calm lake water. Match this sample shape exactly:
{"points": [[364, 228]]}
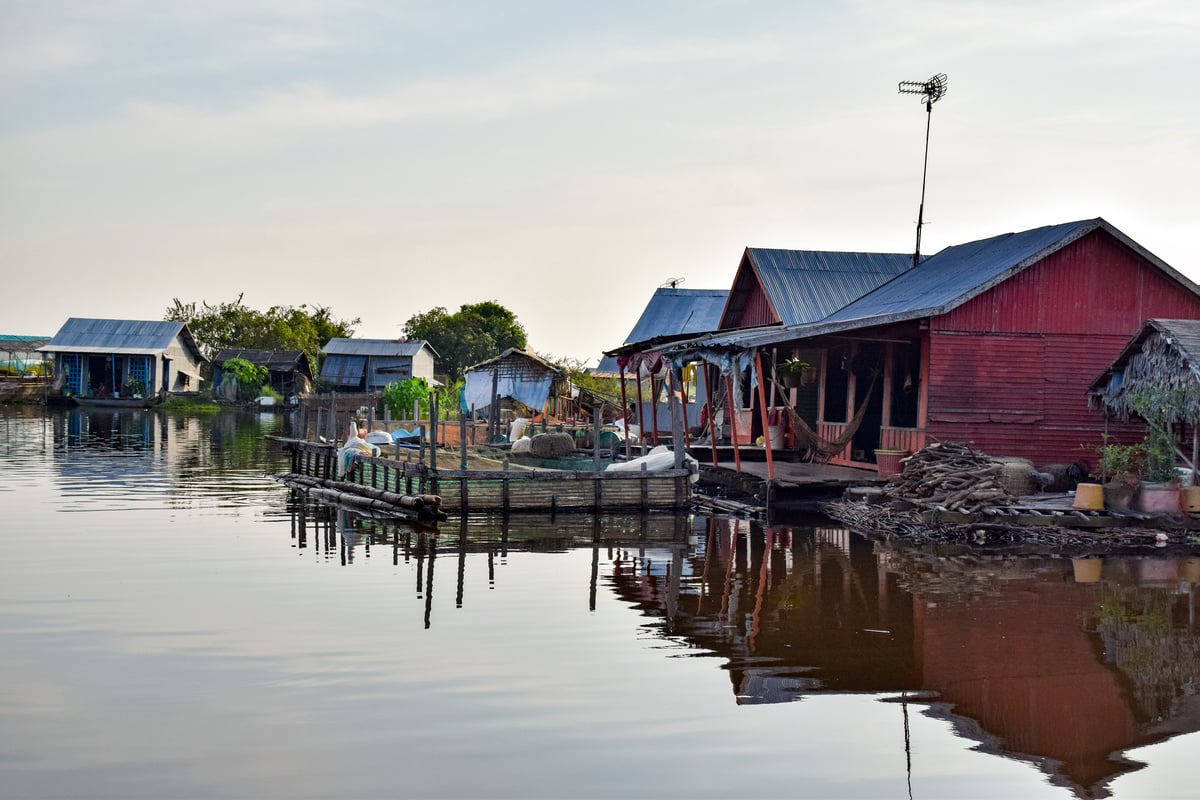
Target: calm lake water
{"points": [[176, 625]]}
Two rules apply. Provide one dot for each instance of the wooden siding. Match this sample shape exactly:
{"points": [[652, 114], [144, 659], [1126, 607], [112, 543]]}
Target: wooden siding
{"points": [[757, 311]]}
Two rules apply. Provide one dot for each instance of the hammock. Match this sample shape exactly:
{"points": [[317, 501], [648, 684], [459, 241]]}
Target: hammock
{"points": [[821, 450]]}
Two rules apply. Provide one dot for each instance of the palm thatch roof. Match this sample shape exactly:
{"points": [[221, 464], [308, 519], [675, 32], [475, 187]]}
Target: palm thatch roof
{"points": [[1163, 357]]}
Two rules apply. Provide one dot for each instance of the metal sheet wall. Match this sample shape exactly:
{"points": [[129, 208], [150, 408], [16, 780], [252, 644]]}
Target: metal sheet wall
{"points": [[1093, 286], [1021, 395]]}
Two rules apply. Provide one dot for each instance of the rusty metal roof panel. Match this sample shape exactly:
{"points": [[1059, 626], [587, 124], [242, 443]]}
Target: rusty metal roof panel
{"points": [[808, 285], [957, 274]]}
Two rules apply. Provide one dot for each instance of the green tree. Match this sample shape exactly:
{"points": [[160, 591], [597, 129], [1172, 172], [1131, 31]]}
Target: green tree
{"points": [[476, 332], [235, 325]]}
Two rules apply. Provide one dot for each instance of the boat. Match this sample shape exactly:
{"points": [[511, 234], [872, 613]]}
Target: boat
{"points": [[116, 402]]}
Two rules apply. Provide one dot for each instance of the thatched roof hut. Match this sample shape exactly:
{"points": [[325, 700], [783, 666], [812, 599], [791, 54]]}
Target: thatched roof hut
{"points": [[1164, 356]]}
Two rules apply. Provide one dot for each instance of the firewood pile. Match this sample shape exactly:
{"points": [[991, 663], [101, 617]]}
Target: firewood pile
{"points": [[947, 476]]}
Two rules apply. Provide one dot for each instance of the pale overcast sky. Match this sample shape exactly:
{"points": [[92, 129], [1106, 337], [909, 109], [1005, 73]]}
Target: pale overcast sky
{"points": [[563, 159]]}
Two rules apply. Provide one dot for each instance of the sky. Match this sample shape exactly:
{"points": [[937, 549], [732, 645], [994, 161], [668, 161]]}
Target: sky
{"points": [[563, 159]]}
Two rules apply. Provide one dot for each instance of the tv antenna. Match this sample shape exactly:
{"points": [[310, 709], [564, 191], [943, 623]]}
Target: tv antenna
{"points": [[672, 282], [932, 90]]}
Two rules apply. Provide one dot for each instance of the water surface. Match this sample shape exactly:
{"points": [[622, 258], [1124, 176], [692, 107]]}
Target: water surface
{"points": [[175, 624]]}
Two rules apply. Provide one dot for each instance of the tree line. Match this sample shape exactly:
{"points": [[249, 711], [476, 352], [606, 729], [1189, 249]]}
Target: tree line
{"points": [[474, 333]]}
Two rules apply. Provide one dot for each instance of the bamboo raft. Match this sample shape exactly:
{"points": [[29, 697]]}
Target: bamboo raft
{"points": [[412, 488]]}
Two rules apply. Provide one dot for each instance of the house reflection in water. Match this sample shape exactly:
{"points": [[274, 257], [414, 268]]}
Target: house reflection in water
{"points": [[1060, 663]]}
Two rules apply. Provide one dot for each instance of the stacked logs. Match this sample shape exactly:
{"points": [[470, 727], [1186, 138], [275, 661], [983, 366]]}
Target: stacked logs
{"points": [[947, 476]]}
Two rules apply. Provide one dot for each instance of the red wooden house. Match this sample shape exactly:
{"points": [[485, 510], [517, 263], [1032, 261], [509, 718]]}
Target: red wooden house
{"points": [[993, 342]]}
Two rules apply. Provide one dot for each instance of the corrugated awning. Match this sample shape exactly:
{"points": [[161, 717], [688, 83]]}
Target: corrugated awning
{"points": [[344, 370]]}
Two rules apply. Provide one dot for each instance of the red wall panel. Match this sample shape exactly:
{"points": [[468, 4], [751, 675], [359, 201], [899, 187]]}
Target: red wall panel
{"points": [[758, 310], [1009, 370]]}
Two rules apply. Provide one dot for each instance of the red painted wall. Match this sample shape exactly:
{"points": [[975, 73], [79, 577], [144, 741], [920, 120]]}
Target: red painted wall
{"points": [[757, 311], [1009, 369]]}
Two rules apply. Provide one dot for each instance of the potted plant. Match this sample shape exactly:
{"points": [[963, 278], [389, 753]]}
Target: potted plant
{"points": [[1159, 491], [134, 387], [1120, 469], [794, 372]]}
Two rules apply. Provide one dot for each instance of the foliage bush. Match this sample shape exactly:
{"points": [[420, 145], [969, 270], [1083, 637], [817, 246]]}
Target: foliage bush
{"points": [[400, 396], [250, 377], [1158, 408]]}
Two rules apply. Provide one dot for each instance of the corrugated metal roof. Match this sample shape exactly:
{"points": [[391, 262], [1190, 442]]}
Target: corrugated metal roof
{"points": [[275, 360], [808, 285], [343, 370], [375, 347], [136, 337], [955, 275], [675, 311]]}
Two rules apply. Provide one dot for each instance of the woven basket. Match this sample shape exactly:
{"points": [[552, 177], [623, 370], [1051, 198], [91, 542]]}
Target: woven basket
{"points": [[1016, 475]]}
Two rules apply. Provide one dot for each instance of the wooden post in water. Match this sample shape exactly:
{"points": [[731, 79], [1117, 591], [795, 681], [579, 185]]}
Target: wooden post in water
{"points": [[462, 441], [678, 438], [596, 440], [504, 490]]}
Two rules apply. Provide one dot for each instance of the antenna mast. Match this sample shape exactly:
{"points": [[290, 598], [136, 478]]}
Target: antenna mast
{"points": [[932, 90]]}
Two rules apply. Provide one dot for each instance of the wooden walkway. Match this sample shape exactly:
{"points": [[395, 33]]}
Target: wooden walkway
{"points": [[797, 485]]}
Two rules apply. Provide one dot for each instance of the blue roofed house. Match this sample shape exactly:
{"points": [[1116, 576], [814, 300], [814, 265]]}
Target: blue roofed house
{"points": [[992, 342], [112, 358], [368, 365], [671, 314]]}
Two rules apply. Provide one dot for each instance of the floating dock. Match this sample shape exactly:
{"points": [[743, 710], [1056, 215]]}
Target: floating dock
{"points": [[506, 490]]}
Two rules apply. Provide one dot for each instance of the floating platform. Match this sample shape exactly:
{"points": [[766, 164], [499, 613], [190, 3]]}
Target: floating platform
{"points": [[506, 489]]}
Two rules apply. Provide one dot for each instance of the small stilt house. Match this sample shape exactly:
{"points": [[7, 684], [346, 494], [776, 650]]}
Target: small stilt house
{"points": [[288, 371], [114, 357], [368, 365], [993, 342]]}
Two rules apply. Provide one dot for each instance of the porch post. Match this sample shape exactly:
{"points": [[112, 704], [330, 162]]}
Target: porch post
{"points": [[654, 411], [766, 414], [624, 409], [641, 411], [733, 431], [886, 417], [708, 400], [683, 404]]}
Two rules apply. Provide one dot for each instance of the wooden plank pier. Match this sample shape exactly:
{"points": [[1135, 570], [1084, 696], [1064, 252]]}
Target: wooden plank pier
{"points": [[390, 480]]}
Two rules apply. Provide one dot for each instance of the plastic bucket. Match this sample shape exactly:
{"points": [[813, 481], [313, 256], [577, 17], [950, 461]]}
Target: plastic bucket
{"points": [[1089, 496], [775, 432]]}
